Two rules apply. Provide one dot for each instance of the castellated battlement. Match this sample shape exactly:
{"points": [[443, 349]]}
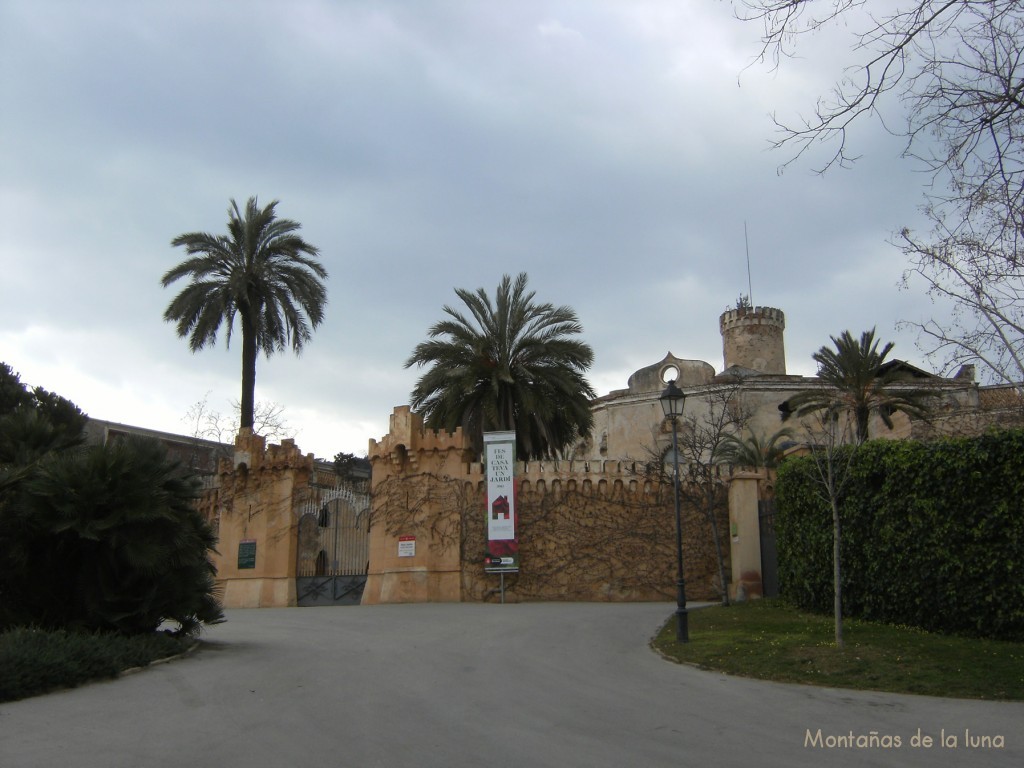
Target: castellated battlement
{"points": [[599, 479], [252, 452], [407, 440], [410, 447], [752, 338], [744, 316], [588, 529]]}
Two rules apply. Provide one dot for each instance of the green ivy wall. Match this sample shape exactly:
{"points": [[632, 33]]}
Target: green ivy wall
{"points": [[932, 535]]}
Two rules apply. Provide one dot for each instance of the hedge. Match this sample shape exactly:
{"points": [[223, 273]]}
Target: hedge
{"points": [[932, 535]]}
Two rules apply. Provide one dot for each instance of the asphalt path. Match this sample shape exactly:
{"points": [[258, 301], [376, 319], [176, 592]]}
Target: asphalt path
{"points": [[487, 686]]}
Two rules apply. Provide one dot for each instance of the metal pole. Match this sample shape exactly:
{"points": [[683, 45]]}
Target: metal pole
{"points": [[682, 616]]}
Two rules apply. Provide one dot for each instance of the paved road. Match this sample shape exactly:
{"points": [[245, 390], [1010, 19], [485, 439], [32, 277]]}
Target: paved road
{"points": [[486, 686]]}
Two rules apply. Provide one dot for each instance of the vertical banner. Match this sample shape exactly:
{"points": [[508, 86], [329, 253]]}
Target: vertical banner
{"points": [[502, 540]]}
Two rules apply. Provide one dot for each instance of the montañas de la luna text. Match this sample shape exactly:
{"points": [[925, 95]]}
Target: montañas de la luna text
{"points": [[919, 740]]}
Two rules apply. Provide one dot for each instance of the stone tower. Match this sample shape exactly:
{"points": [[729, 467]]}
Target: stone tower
{"points": [[752, 337]]}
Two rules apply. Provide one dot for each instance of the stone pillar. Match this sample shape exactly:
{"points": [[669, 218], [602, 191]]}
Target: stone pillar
{"points": [[257, 545], [745, 536], [415, 522]]}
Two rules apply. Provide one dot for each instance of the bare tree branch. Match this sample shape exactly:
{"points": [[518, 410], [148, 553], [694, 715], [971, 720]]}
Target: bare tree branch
{"points": [[269, 421], [952, 66], [955, 70], [981, 274]]}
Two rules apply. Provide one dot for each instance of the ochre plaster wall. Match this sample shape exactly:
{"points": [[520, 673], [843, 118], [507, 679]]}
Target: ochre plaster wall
{"points": [[257, 495], [745, 535], [416, 507], [588, 530]]}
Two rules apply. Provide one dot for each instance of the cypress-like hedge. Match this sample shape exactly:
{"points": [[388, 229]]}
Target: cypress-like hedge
{"points": [[932, 535]]}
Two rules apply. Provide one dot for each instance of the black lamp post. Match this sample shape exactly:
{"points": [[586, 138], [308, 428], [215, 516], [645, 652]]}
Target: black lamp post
{"points": [[672, 400]]}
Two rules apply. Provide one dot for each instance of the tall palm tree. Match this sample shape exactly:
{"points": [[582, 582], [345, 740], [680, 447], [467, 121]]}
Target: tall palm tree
{"points": [[511, 364], [856, 381], [261, 271]]}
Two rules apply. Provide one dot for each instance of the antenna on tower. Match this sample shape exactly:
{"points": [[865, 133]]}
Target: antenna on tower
{"points": [[750, 285]]}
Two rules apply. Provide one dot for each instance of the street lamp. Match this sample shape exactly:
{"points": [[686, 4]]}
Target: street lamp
{"points": [[672, 400]]}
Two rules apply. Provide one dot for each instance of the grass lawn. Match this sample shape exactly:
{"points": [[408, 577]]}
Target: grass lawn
{"points": [[34, 661], [769, 640]]}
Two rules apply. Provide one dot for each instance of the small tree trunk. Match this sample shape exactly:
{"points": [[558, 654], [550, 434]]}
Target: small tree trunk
{"points": [[836, 573], [711, 509]]}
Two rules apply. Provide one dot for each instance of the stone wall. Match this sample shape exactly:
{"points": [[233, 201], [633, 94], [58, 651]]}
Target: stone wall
{"points": [[753, 337], [255, 506], [257, 492], [588, 530]]}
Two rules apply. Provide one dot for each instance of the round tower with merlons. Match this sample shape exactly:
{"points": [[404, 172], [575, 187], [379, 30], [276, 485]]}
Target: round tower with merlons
{"points": [[752, 337]]}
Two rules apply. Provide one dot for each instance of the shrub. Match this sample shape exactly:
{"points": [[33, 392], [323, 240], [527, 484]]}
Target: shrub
{"points": [[34, 661], [107, 538]]}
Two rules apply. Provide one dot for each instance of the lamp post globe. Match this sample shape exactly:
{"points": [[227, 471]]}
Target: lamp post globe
{"points": [[672, 401]]}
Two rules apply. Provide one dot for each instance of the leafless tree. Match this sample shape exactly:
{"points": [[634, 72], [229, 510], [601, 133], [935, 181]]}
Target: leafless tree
{"points": [[703, 439], [982, 276], [954, 65], [703, 443], [832, 463], [953, 70], [208, 424]]}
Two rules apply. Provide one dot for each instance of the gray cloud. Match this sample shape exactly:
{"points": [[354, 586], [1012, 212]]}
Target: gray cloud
{"points": [[613, 151]]}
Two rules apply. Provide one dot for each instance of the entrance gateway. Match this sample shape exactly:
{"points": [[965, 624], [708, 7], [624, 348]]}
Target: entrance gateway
{"points": [[333, 549]]}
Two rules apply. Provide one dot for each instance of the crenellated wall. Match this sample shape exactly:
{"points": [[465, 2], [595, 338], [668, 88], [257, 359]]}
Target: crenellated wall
{"points": [[258, 499], [258, 489], [588, 530]]}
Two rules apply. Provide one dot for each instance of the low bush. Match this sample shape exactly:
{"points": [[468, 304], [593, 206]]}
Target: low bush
{"points": [[35, 661]]}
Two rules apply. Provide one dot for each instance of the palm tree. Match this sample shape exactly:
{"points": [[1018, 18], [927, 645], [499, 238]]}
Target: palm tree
{"points": [[753, 450], [509, 365], [856, 380], [261, 271]]}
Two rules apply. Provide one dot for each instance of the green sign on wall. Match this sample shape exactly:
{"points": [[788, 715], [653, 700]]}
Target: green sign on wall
{"points": [[247, 553]]}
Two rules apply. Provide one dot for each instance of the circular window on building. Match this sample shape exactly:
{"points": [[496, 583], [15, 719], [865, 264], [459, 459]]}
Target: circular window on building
{"points": [[669, 373]]}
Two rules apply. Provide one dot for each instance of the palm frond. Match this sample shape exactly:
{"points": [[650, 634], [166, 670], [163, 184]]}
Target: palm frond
{"points": [[506, 364], [854, 381], [262, 273]]}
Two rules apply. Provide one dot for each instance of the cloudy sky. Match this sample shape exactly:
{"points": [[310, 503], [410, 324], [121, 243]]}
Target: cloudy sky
{"points": [[612, 150]]}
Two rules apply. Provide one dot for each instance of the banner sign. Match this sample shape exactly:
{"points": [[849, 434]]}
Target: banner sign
{"points": [[502, 540]]}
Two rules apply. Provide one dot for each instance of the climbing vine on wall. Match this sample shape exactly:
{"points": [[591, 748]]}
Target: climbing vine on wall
{"points": [[577, 541]]}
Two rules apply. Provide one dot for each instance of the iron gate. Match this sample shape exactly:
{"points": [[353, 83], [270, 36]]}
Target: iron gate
{"points": [[333, 550], [769, 556]]}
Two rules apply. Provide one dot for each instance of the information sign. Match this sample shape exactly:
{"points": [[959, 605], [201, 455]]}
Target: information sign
{"points": [[407, 546], [247, 553]]}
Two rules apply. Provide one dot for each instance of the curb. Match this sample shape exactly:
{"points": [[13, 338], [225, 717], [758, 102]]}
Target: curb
{"points": [[165, 660]]}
